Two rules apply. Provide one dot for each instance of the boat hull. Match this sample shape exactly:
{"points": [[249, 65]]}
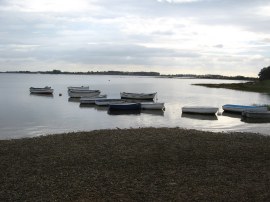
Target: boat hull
{"points": [[46, 90], [242, 108], [125, 106], [91, 100], [257, 115], [200, 110], [83, 93], [106, 102], [138, 96], [78, 88], [158, 106], [124, 112]]}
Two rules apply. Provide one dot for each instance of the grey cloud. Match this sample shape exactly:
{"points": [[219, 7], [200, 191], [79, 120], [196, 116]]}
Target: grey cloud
{"points": [[211, 12], [163, 33], [64, 36], [125, 54], [101, 54], [219, 46]]}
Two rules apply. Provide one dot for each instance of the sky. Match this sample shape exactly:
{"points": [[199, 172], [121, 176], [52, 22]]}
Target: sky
{"points": [[227, 37]]}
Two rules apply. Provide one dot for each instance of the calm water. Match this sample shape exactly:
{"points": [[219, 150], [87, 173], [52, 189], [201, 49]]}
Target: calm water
{"points": [[25, 115]]}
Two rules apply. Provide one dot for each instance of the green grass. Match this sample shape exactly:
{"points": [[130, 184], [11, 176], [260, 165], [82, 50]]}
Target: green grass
{"points": [[255, 86]]}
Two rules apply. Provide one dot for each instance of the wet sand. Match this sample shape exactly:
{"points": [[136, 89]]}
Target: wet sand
{"points": [[147, 164]]}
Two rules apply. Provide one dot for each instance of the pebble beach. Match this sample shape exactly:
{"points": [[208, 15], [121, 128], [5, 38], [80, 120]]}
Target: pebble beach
{"points": [[144, 164]]}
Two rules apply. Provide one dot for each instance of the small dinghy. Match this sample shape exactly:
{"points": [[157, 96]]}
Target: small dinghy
{"points": [[124, 112], [241, 108], [83, 93], [45, 90], [256, 114], [138, 96], [106, 102], [78, 88], [91, 100], [200, 110], [152, 105], [125, 106]]}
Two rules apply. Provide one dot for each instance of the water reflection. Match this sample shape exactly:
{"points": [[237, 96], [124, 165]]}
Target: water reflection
{"points": [[232, 115], [18, 108], [83, 105], [138, 101], [74, 99], [41, 95], [153, 112], [199, 116], [254, 120], [124, 112], [93, 106]]}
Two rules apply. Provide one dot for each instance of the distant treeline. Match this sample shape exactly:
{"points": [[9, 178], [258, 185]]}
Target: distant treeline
{"points": [[207, 76], [212, 76], [91, 73]]}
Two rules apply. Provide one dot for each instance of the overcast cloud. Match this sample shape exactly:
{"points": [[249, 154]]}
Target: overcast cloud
{"points": [[169, 36]]}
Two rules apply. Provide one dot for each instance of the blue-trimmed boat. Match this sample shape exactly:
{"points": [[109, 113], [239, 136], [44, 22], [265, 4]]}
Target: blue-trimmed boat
{"points": [[242, 108], [125, 106]]}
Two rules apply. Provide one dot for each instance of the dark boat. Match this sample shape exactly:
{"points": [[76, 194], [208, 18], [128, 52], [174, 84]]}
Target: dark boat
{"points": [[124, 112], [125, 106]]}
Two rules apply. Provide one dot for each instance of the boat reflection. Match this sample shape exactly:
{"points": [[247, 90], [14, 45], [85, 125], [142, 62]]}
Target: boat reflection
{"points": [[82, 105], [199, 116], [153, 112], [138, 101], [74, 99], [93, 106], [124, 112], [41, 95], [254, 120], [232, 115]]}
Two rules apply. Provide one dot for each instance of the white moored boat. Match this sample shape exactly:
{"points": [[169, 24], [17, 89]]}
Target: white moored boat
{"points": [[139, 96], [200, 109], [242, 108], [45, 90], [78, 88], [83, 93], [91, 100], [152, 105]]}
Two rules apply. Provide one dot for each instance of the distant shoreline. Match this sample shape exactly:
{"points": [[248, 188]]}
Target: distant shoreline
{"points": [[140, 73], [146, 164], [256, 86]]}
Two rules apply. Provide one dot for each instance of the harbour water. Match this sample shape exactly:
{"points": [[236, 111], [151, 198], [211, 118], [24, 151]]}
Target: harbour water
{"points": [[25, 115]]}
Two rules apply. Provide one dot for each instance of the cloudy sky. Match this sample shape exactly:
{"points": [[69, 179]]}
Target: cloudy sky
{"points": [[228, 37]]}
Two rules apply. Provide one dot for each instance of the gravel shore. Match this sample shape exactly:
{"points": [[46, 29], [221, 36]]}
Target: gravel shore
{"points": [[146, 164]]}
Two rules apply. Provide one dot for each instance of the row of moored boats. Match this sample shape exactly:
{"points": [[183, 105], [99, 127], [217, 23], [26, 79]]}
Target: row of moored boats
{"points": [[131, 101], [248, 111], [127, 101]]}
